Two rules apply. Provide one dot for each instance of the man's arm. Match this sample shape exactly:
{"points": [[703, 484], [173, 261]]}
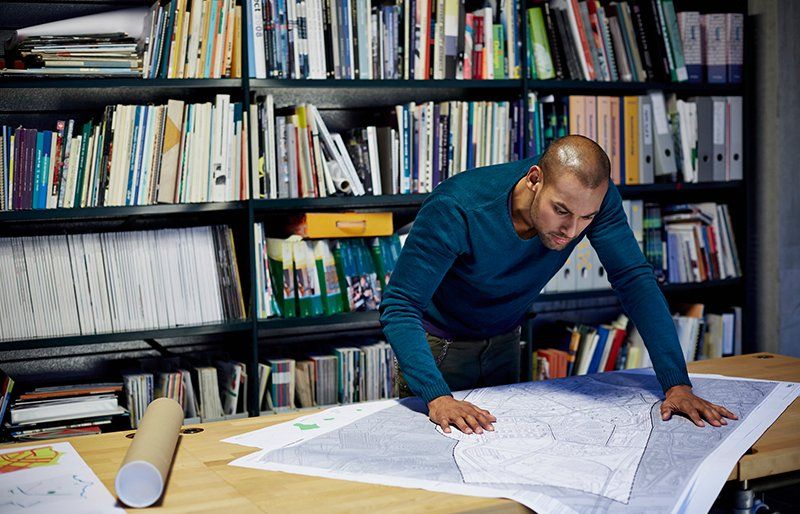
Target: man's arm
{"points": [[632, 277], [439, 235]]}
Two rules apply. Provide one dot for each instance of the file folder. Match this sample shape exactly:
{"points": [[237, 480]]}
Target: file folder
{"points": [[646, 165], [733, 141], [663, 145]]}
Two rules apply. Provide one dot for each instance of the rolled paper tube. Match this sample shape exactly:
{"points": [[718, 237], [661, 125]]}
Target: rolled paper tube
{"points": [[141, 478]]}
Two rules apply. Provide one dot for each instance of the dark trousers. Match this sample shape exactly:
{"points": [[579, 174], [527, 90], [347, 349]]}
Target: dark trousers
{"points": [[467, 364]]}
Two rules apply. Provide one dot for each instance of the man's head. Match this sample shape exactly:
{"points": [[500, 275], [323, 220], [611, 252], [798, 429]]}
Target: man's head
{"points": [[569, 184]]}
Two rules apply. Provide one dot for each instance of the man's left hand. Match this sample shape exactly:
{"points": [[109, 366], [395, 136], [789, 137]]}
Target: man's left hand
{"points": [[680, 400]]}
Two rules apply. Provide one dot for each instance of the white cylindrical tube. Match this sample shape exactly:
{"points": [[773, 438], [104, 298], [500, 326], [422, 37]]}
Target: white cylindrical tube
{"points": [[141, 478]]}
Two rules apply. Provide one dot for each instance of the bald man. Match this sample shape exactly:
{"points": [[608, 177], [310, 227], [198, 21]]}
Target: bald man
{"points": [[483, 246]]}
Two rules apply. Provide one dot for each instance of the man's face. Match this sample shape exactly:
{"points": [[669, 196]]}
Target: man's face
{"points": [[563, 208]]}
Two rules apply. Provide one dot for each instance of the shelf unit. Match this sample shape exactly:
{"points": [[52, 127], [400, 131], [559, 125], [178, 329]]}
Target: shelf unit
{"points": [[38, 102]]}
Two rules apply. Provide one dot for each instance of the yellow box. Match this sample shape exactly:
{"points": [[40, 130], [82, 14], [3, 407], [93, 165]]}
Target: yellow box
{"points": [[322, 225]]}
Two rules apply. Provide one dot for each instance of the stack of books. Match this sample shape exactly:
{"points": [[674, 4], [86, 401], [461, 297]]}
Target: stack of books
{"points": [[353, 39], [352, 374], [301, 278], [75, 284], [684, 243], [113, 54], [425, 144], [207, 389], [193, 39], [64, 411], [633, 41], [579, 349], [173, 39], [648, 138], [133, 155]]}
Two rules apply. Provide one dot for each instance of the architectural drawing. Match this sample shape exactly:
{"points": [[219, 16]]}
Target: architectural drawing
{"points": [[593, 443]]}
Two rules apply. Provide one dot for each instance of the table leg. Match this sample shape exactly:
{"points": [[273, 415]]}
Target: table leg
{"points": [[743, 498]]}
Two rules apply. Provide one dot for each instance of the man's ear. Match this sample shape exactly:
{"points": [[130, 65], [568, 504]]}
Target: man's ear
{"points": [[534, 177]]}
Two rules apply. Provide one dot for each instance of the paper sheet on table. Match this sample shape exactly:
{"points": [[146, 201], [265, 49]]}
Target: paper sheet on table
{"points": [[593, 443], [129, 21], [51, 478], [310, 426]]}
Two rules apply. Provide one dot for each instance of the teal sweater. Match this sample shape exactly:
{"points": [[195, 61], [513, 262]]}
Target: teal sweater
{"points": [[465, 271]]}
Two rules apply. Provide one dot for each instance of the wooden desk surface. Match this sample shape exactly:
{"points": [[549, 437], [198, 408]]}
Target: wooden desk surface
{"points": [[778, 450], [202, 481]]}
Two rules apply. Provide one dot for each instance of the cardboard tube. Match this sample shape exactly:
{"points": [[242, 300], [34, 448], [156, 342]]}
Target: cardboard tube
{"points": [[140, 480]]}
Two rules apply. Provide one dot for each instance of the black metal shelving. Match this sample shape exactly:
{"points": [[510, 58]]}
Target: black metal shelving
{"points": [[165, 333], [92, 213], [23, 97]]}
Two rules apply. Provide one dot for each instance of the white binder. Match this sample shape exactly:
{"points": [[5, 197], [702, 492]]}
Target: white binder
{"points": [[599, 276], [646, 164], [584, 265], [720, 128], [663, 145], [566, 280], [733, 143]]}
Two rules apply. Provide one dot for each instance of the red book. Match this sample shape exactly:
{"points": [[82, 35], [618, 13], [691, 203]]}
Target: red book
{"points": [[616, 344], [477, 46], [576, 12]]}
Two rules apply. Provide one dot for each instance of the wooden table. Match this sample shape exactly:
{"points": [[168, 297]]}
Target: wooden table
{"points": [[202, 481]]}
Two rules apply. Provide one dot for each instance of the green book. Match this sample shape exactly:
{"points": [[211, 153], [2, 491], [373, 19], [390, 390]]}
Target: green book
{"points": [[499, 56], [82, 160], [541, 47], [279, 255], [531, 56], [309, 300], [339, 254], [328, 277], [678, 72], [378, 259]]}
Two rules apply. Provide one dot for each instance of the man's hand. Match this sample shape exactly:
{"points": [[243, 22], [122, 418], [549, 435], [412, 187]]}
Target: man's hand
{"points": [[680, 399], [446, 411]]}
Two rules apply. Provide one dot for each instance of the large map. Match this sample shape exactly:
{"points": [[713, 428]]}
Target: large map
{"points": [[593, 443]]}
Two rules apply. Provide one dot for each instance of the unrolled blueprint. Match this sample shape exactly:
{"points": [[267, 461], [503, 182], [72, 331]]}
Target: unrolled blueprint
{"points": [[592, 443]]}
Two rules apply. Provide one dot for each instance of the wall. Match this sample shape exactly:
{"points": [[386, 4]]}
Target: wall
{"points": [[775, 159]]}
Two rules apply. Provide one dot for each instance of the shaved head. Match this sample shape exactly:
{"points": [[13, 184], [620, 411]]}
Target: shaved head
{"points": [[578, 156]]}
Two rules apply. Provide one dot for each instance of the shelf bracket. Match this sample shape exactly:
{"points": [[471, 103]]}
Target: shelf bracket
{"points": [[158, 347]]}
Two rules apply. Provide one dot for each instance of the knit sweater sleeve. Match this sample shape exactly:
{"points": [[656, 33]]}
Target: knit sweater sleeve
{"points": [[438, 236], [632, 277]]}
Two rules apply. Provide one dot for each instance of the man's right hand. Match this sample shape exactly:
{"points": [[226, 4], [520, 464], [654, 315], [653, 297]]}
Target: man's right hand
{"points": [[446, 411]]}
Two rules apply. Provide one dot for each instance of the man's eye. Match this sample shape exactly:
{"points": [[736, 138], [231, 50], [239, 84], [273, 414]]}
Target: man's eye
{"points": [[560, 212]]}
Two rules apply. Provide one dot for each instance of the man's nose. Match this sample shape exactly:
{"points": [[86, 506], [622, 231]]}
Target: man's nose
{"points": [[571, 228]]}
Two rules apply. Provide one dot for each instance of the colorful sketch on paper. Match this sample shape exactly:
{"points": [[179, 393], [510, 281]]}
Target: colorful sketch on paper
{"points": [[27, 459]]}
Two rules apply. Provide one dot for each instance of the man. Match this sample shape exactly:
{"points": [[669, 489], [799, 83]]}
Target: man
{"points": [[483, 246]]}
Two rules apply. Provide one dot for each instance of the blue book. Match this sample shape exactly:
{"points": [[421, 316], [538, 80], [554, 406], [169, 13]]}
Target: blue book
{"points": [[673, 271], [132, 163], [437, 150], [597, 356], [212, 30], [345, 39], [37, 170], [44, 189], [141, 169], [173, 5], [282, 31]]}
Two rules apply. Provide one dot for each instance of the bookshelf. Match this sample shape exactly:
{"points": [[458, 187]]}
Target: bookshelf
{"points": [[40, 101]]}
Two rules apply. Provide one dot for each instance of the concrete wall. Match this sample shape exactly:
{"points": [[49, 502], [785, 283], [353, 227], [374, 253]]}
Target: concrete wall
{"points": [[776, 166]]}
